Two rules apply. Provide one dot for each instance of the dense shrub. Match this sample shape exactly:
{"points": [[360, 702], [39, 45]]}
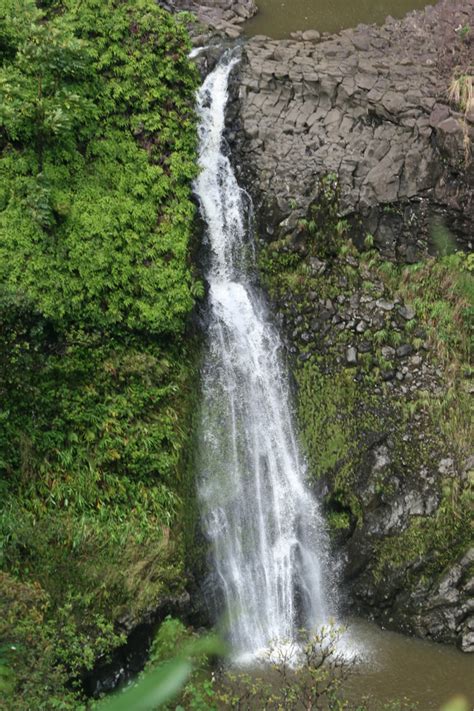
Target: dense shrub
{"points": [[97, 153]]}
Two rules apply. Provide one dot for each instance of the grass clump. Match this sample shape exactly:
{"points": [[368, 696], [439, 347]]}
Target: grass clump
{"points": [[461, 92], [441, 290]]}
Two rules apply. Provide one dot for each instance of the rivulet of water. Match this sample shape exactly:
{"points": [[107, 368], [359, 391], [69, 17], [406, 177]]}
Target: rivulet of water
{"points": [[267, 535]]}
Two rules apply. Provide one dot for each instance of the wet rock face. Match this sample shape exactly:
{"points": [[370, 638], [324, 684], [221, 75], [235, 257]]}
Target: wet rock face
{"points": [[394, 485], [370, 105], [399, 468], [442, 610], [437, 607]]}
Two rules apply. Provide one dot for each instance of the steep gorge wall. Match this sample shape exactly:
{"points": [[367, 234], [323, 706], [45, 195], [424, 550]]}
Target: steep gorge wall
{"points": [[359, 127], [383, 393], [352, 137]]}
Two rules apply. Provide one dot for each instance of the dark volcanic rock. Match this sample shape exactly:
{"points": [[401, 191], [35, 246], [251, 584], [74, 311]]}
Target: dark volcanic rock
{"points": [[222, 16], [370, 105], [441, 610]]}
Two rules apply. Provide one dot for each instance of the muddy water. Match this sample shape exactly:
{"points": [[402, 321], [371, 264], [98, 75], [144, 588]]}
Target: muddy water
{"points": [[394, 666], [390, 671], [278, 18]]}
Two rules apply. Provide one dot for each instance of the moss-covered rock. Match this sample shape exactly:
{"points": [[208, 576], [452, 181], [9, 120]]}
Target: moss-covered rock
{"points": [[380, 356]]}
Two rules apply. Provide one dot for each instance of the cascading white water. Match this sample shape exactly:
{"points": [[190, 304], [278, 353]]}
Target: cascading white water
{"points": [[267, 535]]}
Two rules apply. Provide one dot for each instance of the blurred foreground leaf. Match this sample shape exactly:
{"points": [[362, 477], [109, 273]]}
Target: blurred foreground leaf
{"points": [[156, 687], [152, 690], [459, 703]]}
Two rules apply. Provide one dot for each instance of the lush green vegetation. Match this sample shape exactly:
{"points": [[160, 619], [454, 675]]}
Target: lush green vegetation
{"points": [[97, 152]]}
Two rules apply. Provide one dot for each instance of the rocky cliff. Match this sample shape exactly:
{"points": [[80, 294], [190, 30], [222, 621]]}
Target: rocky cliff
{"points": [[355, 158], [359, 164], [370, 104]]}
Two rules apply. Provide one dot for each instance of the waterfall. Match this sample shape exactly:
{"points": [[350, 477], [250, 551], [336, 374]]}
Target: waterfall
{"points": [[266, 533]]}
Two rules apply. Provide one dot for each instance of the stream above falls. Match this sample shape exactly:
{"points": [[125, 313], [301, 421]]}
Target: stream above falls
{"points": [[279, 18]]}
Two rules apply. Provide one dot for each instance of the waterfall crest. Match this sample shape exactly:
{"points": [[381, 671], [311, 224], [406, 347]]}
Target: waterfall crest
{"points": [[266, 532]]}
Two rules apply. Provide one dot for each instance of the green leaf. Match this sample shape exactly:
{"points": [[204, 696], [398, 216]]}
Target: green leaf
{"points": [[154, 689], [459, 703]]}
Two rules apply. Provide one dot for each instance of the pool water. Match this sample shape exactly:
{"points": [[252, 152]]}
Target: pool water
{"points": [[278, 18], [394, 666]]}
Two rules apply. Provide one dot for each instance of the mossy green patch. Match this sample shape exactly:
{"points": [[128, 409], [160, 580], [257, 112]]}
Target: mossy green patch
{"points": [[340, 420], [441, 538], [369, 431]]}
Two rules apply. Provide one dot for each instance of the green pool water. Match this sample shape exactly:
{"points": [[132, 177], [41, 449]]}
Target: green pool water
{"points": [[394, 666], [278, 18], [388, 670]]}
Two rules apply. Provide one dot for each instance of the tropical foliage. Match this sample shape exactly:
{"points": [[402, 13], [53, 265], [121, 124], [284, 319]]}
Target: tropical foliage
{"points": [[97, 153]]}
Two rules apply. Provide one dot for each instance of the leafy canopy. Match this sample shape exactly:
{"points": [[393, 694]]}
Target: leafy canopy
{"points": [[98, 153]]}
